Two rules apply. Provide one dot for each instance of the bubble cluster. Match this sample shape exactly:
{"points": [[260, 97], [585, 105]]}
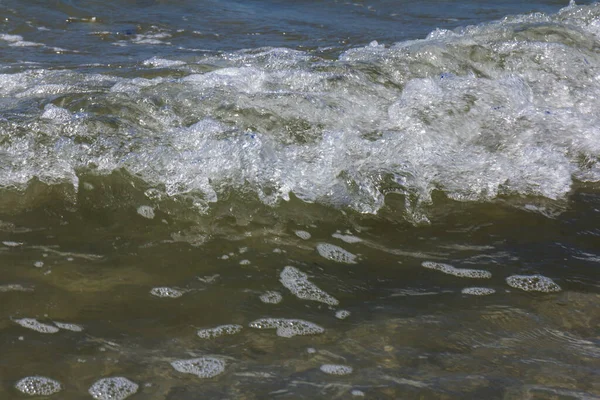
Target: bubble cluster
{"points": [[203, 367], [288, 327], [533, 283], [164, 291], [146, 212], [478, 291], [211, 333], [342, 314], [303, 234], [460, 272], [113, 388], [336, 369], [336, 253], [271, 297], [297, 282], [14, 287], [34, 324], [68, 327], [38, 386]]}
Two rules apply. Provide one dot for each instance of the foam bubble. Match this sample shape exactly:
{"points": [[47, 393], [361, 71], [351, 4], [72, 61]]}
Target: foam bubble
{"points": [[303, 234], [12, 244], [478, 291], [297, 282], [335, 253], [38, 386], [245, 262], [533, 283], [288, 327], [357, 393], [38, 264], [336, 369], [211, 333], [342, 314], [203, 367], [34, 324], [114, 388], [146, 212], [460, 272], [271, 297], [347, 238], [14, 287], [69, 327], [164, 291]]}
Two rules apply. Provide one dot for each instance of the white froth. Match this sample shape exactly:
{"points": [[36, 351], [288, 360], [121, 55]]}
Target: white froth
{"points": [[478, 291], [342, 314], [146, 212], [336, 253], [303, 234], [357, 393], [271, 297], [533, 283], [162, 63], [347, 238], [460, 272], [211, 333], [68, 326], [38, 386], [203, 367], [34, 324], [114, 388], [164, 291], [14, 287], [288, 327], [336, 369], [297, 282], [56, 114], [12, 244]]}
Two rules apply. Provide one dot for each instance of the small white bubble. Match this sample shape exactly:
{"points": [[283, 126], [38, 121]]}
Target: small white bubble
{"points": [[357, 393], [311, 350], [245, 262], [342, 314], [38, 264]]}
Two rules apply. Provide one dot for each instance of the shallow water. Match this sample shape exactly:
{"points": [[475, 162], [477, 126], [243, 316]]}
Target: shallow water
{"points": [[258, 200]]}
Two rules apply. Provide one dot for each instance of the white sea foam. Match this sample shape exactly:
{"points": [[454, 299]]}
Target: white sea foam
{"points": [[297, 282], [347, 238], [164, 291], [336, 253], [478, 291], [203, 367], [342, 314], [271, 297], [146, 212], [288, 327], [69, 326], [533, 283], [303, 234], [336, 369], [472, 113], [34, 324], [38, 386], [114, 388], [211, 333], [460, 272]]}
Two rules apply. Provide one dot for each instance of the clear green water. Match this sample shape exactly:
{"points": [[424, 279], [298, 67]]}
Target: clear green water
{"points": [[411, 333]]}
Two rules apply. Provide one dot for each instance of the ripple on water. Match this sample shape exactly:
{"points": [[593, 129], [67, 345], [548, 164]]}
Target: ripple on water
{"points": [[203, 367], [533, 283], [211, 333], [113, 388], [288, 327], [336, 253], [38, 386], [460, 272], [297, 282]]}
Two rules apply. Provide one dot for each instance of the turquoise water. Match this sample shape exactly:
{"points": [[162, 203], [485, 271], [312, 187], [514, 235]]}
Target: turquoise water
{"points": [[307, 200]]}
